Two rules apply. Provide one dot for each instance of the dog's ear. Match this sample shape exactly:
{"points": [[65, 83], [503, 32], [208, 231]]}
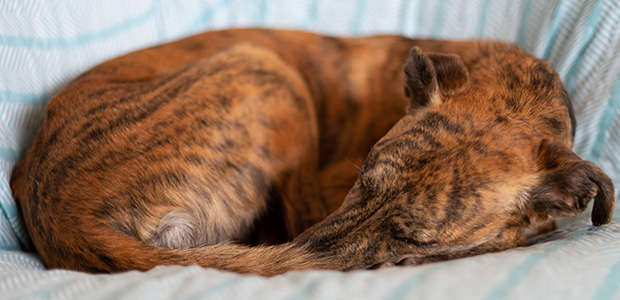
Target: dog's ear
{"points": [[567, 184], [428, 76]]}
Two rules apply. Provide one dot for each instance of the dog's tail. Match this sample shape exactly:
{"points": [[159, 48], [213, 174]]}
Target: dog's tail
{"points": [[114, 251]]}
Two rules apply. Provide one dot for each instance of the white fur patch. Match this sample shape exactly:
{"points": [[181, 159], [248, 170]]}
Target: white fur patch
{"points": [[435, 97], [176, 230]]}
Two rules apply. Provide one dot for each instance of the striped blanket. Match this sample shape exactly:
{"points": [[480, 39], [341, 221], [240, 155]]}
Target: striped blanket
{"points": [[45, 44]]}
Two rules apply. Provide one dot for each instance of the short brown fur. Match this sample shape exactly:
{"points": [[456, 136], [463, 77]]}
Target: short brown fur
{"points": [[216, 149]]}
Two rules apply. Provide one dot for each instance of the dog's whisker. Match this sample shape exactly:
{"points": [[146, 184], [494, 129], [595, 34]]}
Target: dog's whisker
{"points": [[351, 162]]}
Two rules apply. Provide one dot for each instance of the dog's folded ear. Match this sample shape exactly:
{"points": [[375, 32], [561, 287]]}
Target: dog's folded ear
{"points": [[567, 184], [428, 76]]}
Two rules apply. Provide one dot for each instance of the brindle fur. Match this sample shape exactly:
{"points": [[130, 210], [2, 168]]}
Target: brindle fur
{"points": [[196, 151]]}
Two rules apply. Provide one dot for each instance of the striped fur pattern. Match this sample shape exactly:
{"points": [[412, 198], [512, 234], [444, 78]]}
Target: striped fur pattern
{"points": [[239, 150]]}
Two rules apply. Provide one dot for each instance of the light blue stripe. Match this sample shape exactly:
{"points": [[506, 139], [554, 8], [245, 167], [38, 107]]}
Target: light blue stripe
{"points": [[4, 239], [606, 121], [202, 21], [609, 286], [523, 24], [10, 154], [24, 98], [11, 242], [482, 26], [10, 212], [518, 274], [311, 286], [404, 12], [18, 41], [217, 288], [554, 29], [359, 16], [313, 12], [404, 291], [439, 16], [262, 12], [589, 31]]}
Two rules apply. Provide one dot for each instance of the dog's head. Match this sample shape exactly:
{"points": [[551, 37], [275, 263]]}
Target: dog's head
{"points": [[483, 152]]}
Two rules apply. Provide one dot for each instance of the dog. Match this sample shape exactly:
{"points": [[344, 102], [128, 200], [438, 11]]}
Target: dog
{"points": [[263, 151]]}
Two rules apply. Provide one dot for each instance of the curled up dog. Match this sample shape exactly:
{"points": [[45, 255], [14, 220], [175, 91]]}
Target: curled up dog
{"points": [[265, 151]]}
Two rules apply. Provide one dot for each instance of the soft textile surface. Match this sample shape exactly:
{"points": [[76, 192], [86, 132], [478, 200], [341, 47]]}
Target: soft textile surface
{"points": [[44, 44]]}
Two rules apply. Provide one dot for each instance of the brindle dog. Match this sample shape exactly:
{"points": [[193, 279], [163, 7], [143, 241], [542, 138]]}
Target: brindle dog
{"points": [[214, 149]]}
